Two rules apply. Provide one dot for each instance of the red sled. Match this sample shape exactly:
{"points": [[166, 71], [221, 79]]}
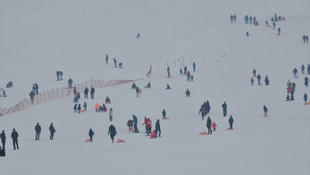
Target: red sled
{"points": [[265, 115], [167, 118], [308, 103], [203, 133], [120, 141], [228, 129], [82, 110], [139, 91], [88, 141]]}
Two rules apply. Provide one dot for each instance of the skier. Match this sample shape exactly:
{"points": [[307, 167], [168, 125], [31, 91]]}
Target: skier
{"points": [[209, 123], [135, 124], [258, 79], [265, 110], [85, 106], [295, 71], [91, 134], [266, 81], [52, 131], [157, 127], [187, 93], [224, 106], [86, 92], [231, 121], [92, 92], [107, 100], [106, 58], [14, 136], [305, 98], [252, 81], [79, 108], [31, 94], [111, 114], [306, 81], [164, 114], [214, 126], [37, 128], [112, 132], [3, 139], [75, 107]]}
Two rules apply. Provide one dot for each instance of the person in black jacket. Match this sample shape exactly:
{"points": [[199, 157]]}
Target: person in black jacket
{"points": [[14, 136], [157, 127], [3, 138], [92, 92], [209, 123], [112, 132], [52, 131], [266, 80], [224, 106], [91, 134], [2, 152], [164, 114], [37, 128]]}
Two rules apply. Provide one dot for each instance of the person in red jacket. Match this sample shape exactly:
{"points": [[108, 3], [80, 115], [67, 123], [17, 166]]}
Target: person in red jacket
{"points": [[145, 123], [214, 126], [149, 127]]}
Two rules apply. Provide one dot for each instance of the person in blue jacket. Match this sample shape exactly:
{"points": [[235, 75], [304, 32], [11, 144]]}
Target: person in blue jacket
{"points": [[91, 134], [194, 66], [135, 124], [265, 109], [231, 121]]}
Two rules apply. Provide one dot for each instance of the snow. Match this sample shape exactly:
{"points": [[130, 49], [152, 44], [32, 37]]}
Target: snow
{"points": [[37, 38]]}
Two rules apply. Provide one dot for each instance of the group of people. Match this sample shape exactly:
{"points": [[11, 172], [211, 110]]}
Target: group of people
{"points": [[258, 76], [59, 75], [305, 38]]}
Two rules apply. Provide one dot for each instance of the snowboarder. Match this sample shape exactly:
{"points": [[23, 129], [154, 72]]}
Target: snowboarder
{"points": [[112, 132], [31, 94], [111, 114], [157, 127], [3, 139], [164, 114], [209, 123], [266, 81], [231, 121], [224, 106], [52, 131], [265, 110], [91, 134], [92, 92], [305, 98], [135, 124], [187, 93], [37, 128], [14, 136]]}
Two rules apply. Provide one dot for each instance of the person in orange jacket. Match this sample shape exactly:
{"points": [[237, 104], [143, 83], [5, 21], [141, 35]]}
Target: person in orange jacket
{"points": [[214, 126], [96, 107], [153, 135]]}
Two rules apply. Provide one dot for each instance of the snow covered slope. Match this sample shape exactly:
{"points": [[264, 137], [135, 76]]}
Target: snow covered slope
{"points": [[37, 38]]}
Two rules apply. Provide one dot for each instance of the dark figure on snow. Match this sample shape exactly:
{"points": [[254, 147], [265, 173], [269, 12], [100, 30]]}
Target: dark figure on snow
{"points": [[194, 66], [79, 108], [70, 82], [3, 139], [91, 134], [130, 124], [133, 86], [231, 18], [266, 81], [187, 93], [209, 123], [120, 65], [9, 85], [181, 72], [265, 109], [252, 81], [202, 111], [308, 69], [115, 62], [2, 152], [148, 85], [106, 58], [85, 106], [224, 106], [31, 94], [279, 30], [247, 34], [92, 92], [137, 91], [135, 124], [168, 87], [37, 128], [107, 100], [302, 69], [295, 71], [14, 136], [207, 106], [86, 92], [235, 17], [75, 107], [306, 81], [258, 79], [185, 70], [266, 23], [231, 121], [112, 132], [138, 36], [164, 114], [254, 73], [52, 131], [305, 98], [157, 127], [111, 114]]}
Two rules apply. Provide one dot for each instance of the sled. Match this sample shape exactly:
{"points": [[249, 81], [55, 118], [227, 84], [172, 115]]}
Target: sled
{"points": [[228, 129], [265, 115], [82, 111], [120, 141], [167, 118], [308, 103], [139, 91], [259, 84], [278, 34], [269, 26], [88, 141], [203, 133]]}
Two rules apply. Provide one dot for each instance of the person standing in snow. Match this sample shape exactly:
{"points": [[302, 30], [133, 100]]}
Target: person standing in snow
{"points": [[302, 69], [112, 132], [70, 82], [135, 124], [31, 94], [137, 91], [194, 66], [202, 111], [79, 108], [164, 114], [258, 79], [265, 110], [91, 134], [266, 81], [157, 127], [85, 106], [231, 121], [106, 58], [306, 81], [254, 73], [14, 136], [52, 131], [115, 62], [92, 92], [3, 139], [305, 98], [187, 93], [224, 106], [214, 126], [185, 70], [37, 128], [295, 71], [209, 123], [111, 114], [252, 81], [86, 92]]}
